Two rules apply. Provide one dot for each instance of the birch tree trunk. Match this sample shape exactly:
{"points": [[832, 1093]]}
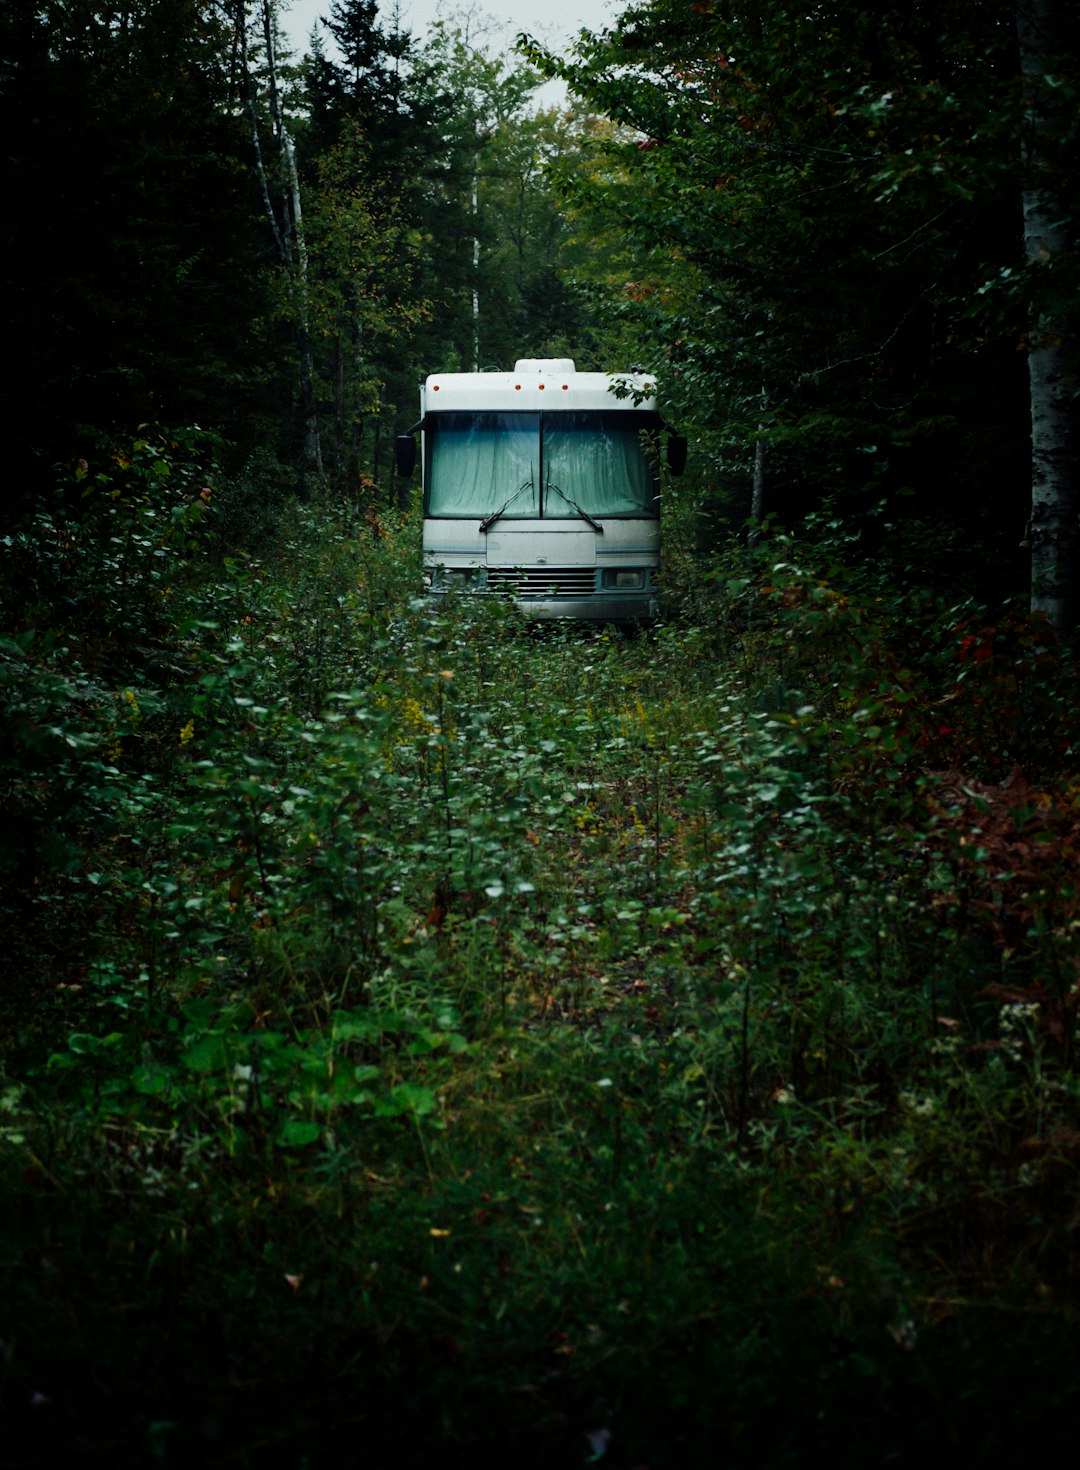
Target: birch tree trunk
{"points": [[312, 451], [290, 229], [256, 143], [1054, 529]]}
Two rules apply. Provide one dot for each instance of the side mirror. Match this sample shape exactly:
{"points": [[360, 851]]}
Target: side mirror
{"points": [[405, 454], [676, 453]]}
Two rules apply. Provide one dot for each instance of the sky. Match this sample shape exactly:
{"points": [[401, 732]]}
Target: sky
{"points": [[555, 22]]}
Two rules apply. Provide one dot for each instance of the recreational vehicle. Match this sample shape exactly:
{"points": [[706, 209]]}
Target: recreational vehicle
{"points": [[543, 484]]}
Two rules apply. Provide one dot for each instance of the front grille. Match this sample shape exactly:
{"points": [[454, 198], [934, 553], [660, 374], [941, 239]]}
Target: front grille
{"points": [[543, 582]]}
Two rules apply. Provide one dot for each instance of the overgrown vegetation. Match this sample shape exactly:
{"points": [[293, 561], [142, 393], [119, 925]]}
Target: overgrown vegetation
{"points": [[427, 1035]]}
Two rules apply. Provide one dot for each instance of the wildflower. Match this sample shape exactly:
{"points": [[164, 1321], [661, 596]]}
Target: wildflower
{"points": [[187, 734]]}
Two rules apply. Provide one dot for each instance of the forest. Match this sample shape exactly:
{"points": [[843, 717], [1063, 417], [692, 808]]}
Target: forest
{"points": [[426, 1035]]}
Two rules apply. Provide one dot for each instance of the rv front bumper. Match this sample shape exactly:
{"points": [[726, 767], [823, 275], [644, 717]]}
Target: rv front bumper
{"points": [[597, 608]]}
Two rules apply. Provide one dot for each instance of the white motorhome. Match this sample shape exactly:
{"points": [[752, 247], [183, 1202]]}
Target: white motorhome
{"points": [[543, 484]]}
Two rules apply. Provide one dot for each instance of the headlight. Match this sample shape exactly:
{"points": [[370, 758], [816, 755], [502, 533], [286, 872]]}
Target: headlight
{"points": [[473, 578], [624, 578]]}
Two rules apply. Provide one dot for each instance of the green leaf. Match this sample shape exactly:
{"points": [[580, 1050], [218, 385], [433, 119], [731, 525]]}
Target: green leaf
{"points": [[407, 1097], [151, 1079], [209, 1054], [350, 1026], [298, 1133], [86, 1045]]}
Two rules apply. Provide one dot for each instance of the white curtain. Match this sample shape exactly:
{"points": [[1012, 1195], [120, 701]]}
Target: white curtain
{"points": [[480, 461], [483, 463], [598, 463]]}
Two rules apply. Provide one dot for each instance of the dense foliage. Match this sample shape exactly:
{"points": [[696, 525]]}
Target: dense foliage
{"points": [[130, 241], [568, 1043], [424, 1037], [816, 213]]}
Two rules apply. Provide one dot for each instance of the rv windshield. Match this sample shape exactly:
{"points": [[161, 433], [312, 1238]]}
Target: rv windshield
{"points": [[481, 460], [551, 465], [598, 461]]}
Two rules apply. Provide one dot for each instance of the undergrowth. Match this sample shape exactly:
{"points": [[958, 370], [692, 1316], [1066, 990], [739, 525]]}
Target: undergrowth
{"points": [[427, 1034]]}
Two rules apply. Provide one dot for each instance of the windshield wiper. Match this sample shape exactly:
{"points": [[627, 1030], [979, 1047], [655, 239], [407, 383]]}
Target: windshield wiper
{"points": [[584, 514], [490, 520]]}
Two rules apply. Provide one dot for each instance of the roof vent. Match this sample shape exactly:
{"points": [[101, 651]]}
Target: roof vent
{"points": [[547, 366]]}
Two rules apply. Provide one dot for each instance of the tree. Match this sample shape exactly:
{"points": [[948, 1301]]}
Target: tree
{"points": [[529, 248], [371, 78], [131, 260], [501, 237], [368, 147], [819, 204], [285, 218], [363, 257], [1050, 99]]}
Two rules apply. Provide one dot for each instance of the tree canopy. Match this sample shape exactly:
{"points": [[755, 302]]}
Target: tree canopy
{"points": [[818, 209], [131, 243], [842, 238]]}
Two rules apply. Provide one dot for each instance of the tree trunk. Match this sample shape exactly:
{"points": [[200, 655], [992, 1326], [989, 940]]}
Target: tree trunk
{"points": [[312, 452], [476, 252], [293, 264], [280, 240], [1054, 527], [757, 489]]}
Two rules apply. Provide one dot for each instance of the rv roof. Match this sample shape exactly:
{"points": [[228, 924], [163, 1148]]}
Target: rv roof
{"points": [[539, 383]]}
